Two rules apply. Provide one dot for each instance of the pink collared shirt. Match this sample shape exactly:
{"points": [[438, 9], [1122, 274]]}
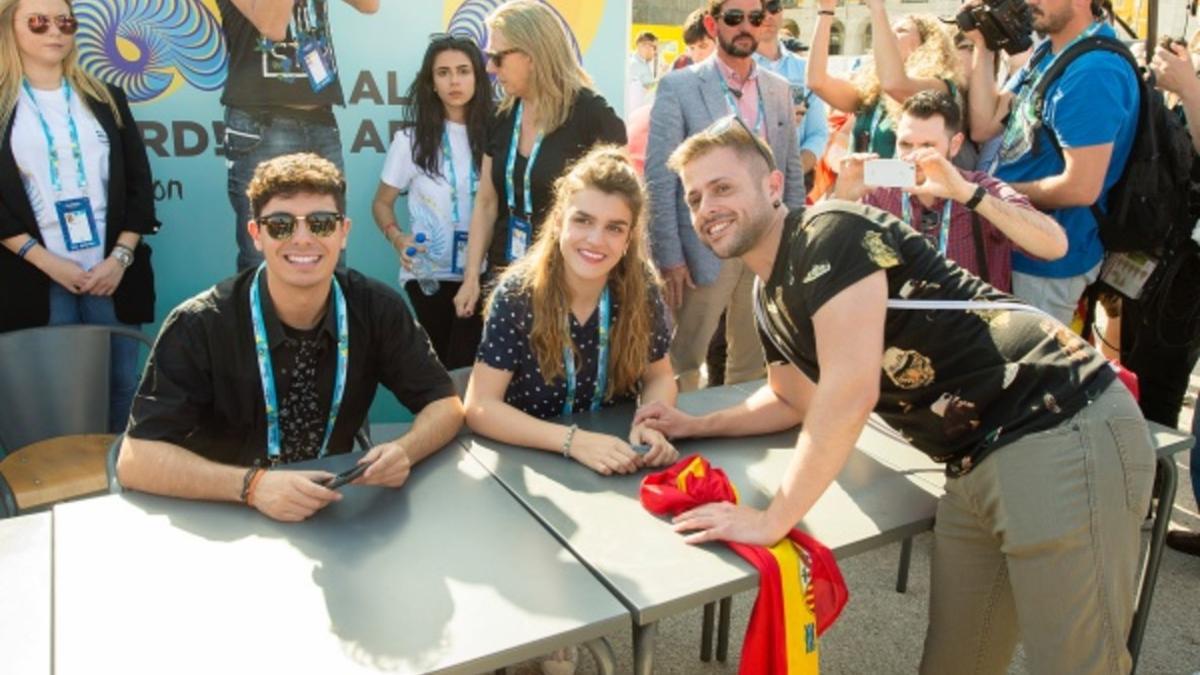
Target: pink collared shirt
{"points": [[747, 104]]}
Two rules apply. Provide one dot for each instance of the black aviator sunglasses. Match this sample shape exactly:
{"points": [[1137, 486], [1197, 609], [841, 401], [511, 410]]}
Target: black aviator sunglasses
{"points": [[497, 58], [734, 17]]}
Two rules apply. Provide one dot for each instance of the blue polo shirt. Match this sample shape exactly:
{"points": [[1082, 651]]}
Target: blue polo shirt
{"points": [[1094, 102], [813, 133]]}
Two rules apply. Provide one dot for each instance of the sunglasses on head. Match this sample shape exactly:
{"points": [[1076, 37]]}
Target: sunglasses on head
{"points": [[773, 6], [497, 58], [723, 125], [40, 23], [282, 226], [734, 17]]}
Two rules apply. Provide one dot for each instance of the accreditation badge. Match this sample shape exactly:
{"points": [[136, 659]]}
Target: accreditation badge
{"points": [[78, 223], [458, 258], [317, 59], [519, 234]]}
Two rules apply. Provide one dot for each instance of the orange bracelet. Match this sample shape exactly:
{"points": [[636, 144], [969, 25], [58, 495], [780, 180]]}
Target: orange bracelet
{"points": [[253, 484]]}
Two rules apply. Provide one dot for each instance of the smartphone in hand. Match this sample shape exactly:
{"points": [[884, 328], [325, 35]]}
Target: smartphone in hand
{"points": [[347, 476], [889, 173]]}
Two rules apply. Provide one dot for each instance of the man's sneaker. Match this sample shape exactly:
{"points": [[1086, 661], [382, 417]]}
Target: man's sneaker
{"points": [[1184, 542]]}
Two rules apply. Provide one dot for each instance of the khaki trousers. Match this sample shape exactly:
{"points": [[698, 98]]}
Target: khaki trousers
{"points": [[696, 321], [1041, 543]]}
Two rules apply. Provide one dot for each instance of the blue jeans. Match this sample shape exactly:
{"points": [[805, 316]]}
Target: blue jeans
{"points": [[254, 138], [67, 308], [1194, 460]]}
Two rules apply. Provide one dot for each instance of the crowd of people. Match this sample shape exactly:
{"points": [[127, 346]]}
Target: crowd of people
{"points": [[575, 260]]}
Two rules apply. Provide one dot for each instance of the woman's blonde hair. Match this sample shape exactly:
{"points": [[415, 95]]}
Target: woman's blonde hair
{"points": [[540, 275], [12, 73], [936, 57], [556, 76]]}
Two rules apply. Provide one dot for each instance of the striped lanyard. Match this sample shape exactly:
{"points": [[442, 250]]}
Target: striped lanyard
{"points": [[943, 225], [876, 122], [448, 163], [762, 111], [512, 162], [265, 372], [76, 148], [601, 361]]}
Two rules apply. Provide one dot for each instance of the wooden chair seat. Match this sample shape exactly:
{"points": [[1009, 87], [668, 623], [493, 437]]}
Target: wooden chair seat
{"points": [[56, 469]]}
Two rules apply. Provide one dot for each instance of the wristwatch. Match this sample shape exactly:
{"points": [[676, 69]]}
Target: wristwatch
{"points": [[123, 254], [973, 202]]}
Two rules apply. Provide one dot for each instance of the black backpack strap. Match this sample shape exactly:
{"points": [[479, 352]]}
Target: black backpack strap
{"points": [[980, 252], [1056, 69]]}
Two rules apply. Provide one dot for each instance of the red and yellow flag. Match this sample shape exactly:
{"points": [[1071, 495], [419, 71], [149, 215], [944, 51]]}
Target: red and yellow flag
{"points": [[800, 593]]}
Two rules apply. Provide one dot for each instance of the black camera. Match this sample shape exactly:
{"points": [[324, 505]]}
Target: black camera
{"points": [[1004, 24]]}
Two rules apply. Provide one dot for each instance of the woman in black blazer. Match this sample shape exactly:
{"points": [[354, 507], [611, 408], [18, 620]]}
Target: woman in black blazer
{"points": [[76, 195]]}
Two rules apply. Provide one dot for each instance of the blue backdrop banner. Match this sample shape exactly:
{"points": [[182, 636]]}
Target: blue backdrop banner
{"points": [[170, 58]]}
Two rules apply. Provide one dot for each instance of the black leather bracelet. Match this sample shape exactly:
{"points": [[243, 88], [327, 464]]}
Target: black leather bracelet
{"points": [[825, 12], [973, 202]]}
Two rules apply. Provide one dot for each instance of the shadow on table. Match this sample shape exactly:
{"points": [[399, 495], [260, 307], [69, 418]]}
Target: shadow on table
{"points": [[388, 562]]}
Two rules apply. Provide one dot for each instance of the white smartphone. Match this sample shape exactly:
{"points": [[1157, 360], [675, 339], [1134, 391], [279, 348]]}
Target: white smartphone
{"points": [[889, 173]]}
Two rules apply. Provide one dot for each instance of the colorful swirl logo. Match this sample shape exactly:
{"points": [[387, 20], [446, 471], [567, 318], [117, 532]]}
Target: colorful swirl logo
{"points": [[149, 48]]}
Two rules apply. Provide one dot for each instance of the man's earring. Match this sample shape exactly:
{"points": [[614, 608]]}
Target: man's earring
{"points": [[777, 204]]}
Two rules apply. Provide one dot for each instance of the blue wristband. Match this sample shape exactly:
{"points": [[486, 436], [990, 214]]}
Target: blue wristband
{"points": [[27, 247]]}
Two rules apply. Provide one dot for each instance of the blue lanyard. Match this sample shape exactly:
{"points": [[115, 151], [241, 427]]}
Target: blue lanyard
{"points": [[876, 121], [263, 351], [76, 148], [448, 163], [601, 361], [762, 111], [943, 226], [512, 162]]}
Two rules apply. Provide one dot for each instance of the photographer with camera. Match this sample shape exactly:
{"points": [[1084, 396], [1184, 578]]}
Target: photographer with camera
{"points": [[1090, 112], [972, 218]]}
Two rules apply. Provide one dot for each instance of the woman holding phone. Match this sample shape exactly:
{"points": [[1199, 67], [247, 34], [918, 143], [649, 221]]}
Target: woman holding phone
{"points": [[577, 324]]}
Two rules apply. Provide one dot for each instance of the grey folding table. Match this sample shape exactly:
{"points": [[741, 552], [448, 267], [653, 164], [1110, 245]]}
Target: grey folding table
{"points": [[447, 574], [25, 589], [645, 563]]}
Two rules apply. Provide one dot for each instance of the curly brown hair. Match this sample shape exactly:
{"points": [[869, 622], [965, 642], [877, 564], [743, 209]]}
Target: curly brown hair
{"points": [[934, 58], [299, 173]]}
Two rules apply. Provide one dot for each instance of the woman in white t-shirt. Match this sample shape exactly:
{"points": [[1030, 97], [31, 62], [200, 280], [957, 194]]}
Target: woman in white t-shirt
{"points": [[76, 195], [435, 161]]}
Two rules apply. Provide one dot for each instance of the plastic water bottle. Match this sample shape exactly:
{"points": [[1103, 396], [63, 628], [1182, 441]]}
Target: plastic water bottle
{"points": [[422, 268]]}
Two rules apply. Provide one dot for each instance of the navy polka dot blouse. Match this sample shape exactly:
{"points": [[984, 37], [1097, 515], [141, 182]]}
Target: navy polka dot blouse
{"points": [[506, 346]]}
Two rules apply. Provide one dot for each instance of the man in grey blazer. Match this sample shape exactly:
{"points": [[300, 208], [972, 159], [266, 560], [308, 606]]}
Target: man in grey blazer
{"points": [[699, 285]]}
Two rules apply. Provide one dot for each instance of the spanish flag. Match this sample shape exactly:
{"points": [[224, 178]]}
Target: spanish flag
{"points": [[800, 593]]}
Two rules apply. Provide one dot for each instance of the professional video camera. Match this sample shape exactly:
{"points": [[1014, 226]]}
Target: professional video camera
{"points": [[1005, 24]]}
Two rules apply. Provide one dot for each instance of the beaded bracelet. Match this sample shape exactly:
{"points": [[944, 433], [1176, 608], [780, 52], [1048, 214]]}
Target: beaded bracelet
{"points": [[567, 441]]}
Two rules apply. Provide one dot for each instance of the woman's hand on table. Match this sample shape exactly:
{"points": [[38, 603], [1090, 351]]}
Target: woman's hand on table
{"points": [[661, 452]]}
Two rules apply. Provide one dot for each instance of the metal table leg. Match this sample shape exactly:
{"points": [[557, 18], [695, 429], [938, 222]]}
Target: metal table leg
{"points": [[706, 631], [1169, 477], [643, 648], [723, 629], [905, 559], [602, 651]]}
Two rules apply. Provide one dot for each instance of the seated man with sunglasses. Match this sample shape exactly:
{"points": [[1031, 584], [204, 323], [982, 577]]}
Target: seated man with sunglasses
{"points": [[699, 286], [972, 218], [280, 363]]}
